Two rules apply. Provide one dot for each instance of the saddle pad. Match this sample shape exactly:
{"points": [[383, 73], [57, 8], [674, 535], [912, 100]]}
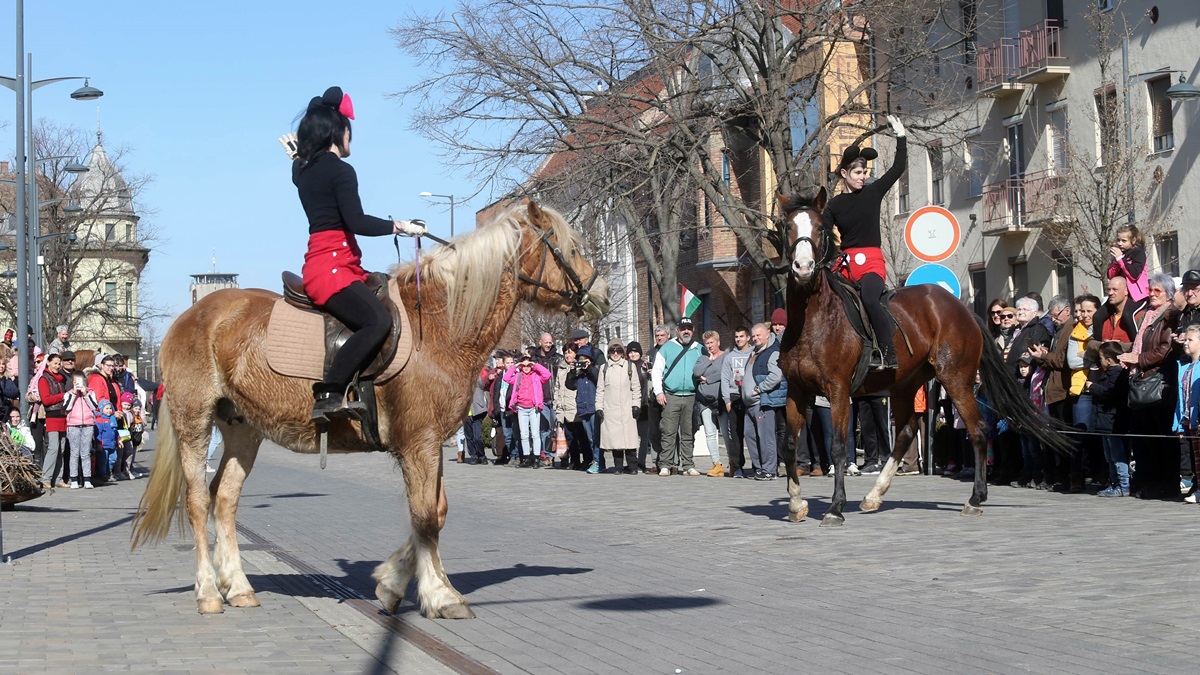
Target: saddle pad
{"points": [[295, 344]]}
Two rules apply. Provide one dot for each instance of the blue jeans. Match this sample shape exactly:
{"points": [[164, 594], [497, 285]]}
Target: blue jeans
{"points": [[508, 424], [1031, 457], [1081, 418], [588, 424], [548, 420], [528, 421], [1116, 453]]}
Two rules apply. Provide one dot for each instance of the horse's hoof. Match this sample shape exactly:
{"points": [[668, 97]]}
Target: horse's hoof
{"points": [[831, 520], [458, 611], [969, 510], [387, 599], [245, 600], [797, 516], [210, 606], [868, 506]]}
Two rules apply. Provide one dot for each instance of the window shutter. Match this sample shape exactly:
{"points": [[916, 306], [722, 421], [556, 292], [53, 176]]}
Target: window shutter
{"points": [[1160, 106]]}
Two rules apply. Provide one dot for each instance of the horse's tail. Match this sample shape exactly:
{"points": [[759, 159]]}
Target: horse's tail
{"points": [[1013, 404], [166, 489]]}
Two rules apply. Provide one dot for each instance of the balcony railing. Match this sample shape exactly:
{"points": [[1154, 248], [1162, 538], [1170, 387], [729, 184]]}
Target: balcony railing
{"points": [[1008, 64], [1041, 53], [1019, 203]]}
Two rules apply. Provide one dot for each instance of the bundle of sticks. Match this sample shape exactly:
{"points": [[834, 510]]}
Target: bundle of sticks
{"points": [[20, 476]]}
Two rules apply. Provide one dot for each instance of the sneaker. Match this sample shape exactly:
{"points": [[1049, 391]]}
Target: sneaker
{"points": [[87, 485], [718, 471], [968, 472], [765, 476], [594, 468], [1191, 499], [829, 471], [739, 474], [907, 472], [208, 468], [61, 484], [74, 485], [853, 470], [1185, 486], [950, 471], [1112, 492], [817, 471], [693, 472], [871, 469], [664, 471]]}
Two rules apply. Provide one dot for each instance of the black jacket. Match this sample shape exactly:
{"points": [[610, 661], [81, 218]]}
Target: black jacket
{"points": [[1110, 391], [1033, 333]]}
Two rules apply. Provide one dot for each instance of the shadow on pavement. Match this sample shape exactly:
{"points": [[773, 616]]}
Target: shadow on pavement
{"points": [[30, 550], [293, 495], [39, 509], [650, 603], [469, 582]]}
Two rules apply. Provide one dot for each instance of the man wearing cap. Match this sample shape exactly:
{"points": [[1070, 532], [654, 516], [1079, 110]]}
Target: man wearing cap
{"points": [[1189, 288], [675, 391]]}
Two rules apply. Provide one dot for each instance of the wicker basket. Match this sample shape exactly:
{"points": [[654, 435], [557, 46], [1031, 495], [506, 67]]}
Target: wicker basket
{"points": [[20, 476]]}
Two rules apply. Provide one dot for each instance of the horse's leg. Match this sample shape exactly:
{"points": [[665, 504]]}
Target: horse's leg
{"points": [[964, 401], [797, 507], [906, 420], [839, 410], [422, 468], [194, 433], [241, 448]]}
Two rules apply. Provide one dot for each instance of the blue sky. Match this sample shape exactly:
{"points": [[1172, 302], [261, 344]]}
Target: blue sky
{"points": [[200, 91]]}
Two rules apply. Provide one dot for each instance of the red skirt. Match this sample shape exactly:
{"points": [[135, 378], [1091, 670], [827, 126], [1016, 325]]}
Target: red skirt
{"points": [[861, 261], [333, 262]]}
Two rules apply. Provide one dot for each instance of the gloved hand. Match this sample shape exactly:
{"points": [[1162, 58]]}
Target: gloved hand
{"points": [[637, 412], [290, 145], [897, 127], [412, 228]]}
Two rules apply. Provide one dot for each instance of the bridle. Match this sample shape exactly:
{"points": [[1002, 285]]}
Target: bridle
{"points": [[580, 296], [820, 257]]}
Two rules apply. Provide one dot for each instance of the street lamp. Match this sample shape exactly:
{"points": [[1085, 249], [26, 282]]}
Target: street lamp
{"points": [[451, 198], [23, 88]]}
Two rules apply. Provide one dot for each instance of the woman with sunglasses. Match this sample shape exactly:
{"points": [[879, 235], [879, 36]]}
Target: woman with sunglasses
{"points": [[1008, 330], [995, 308]]}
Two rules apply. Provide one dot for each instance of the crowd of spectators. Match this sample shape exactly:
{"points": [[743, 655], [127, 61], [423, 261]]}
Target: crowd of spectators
{"points": [[85, 422]]}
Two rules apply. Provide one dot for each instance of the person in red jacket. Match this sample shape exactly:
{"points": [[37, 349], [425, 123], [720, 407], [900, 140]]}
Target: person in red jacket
{"points": [[51, 388], [100, 380]]}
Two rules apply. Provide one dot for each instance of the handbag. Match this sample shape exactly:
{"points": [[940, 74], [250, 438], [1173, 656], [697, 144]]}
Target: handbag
{"points": [[1146, 391]]}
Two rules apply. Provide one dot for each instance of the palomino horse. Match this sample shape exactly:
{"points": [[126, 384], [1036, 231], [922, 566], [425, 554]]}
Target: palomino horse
{"points": [[215, 371], [820, 349]]}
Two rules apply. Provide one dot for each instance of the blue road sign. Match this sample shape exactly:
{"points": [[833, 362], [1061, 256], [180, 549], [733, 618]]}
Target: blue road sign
{"points": [[933, 273]]}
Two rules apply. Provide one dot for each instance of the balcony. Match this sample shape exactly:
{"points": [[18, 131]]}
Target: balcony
{"points": [[997, 67], [1020, 203], [1040, 53]]}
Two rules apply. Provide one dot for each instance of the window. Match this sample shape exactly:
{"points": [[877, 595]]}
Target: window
{"points": [[110, 231], [1166, 246], [128, 299], [804, 114], [937, 179], [902, 195], [1020, 276], [725, 169], [973, 158], [1064, 273], [1104, 5], [1015, 188], [1107, 130], [970, 31], [110, 295], [705, 318], [1161, 124], [1060, 158], [129, 232], [979, 297]]}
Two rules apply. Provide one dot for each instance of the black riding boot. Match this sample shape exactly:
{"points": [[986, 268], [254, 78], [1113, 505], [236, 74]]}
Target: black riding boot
{"points": [[881, 322], [328, 403]]}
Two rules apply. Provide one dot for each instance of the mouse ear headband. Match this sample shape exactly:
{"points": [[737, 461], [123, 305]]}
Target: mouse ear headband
{"points": [[334, 98], [856, 152]]}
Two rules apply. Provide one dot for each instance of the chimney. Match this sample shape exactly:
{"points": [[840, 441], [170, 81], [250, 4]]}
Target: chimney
{"points": [[4, 168]]}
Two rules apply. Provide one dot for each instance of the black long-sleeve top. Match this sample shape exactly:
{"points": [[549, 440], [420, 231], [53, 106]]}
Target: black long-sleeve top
{"points": [[328, 190], [856, 214]]}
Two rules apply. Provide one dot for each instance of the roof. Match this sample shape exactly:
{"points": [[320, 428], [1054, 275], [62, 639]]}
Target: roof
{"points": [[103, 190]]}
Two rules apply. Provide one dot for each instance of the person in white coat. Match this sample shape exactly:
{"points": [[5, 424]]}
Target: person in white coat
{"points": [[619, 398]]}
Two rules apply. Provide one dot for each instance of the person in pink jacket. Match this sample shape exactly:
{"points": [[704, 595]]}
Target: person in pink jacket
{"points": [[1129, 261], [525, 396], [81, 406]]}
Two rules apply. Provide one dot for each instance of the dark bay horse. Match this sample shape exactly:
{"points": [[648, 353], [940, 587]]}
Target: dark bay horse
{"points": [[216, 371], [820, 349]]}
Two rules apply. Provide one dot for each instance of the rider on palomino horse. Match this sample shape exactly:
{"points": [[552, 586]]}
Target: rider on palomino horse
{"points": [[333, 273], [855, 213]]}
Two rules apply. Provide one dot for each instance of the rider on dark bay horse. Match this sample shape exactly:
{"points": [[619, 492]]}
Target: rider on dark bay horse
{"points": [[855, 212], [333, 273]]}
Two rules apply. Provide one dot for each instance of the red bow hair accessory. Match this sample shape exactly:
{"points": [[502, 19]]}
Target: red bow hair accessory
{"points": [[346, 108]]}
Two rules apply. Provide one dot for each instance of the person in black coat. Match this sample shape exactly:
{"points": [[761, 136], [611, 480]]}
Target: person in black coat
{"points": [[1110, 389]]}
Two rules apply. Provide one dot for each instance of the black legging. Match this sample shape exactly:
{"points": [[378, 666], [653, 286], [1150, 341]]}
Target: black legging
{"points": [[358, 308], [872, 294]]}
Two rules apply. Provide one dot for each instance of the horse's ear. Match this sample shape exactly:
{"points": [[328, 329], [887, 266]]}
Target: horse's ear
{"points": [[785, 203], [536, 215], [819, 200]]}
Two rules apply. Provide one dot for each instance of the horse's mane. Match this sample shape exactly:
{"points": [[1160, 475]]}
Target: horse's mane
{"points": [[470, 271]]}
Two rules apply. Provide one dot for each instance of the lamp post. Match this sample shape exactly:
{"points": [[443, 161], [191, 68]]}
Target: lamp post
{"points": [[34, 227], [35, 279], [19, 84], [451, 198]]}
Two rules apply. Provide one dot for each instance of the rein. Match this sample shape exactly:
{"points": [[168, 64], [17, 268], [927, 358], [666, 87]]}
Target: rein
{"points": [[578, 297]]}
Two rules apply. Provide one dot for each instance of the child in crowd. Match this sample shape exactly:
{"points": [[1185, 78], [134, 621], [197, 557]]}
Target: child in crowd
{"points": [[1129, 261], [527, 378], [124, 419], [106, 435], [137, 428], [1188, 399], [1110, 390], [81, 406], [1031, 452], [19, 432]]}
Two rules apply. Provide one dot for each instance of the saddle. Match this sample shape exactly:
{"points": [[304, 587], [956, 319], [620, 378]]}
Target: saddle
{"points": [[302, 342], [851, 296]]}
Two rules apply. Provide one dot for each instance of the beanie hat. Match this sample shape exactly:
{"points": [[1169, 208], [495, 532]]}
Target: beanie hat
{"points": [[779, 316], [634, 346], [127, 398]]}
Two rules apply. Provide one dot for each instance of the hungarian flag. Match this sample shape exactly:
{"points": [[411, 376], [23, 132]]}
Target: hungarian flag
{"points": [[688, 302]]}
